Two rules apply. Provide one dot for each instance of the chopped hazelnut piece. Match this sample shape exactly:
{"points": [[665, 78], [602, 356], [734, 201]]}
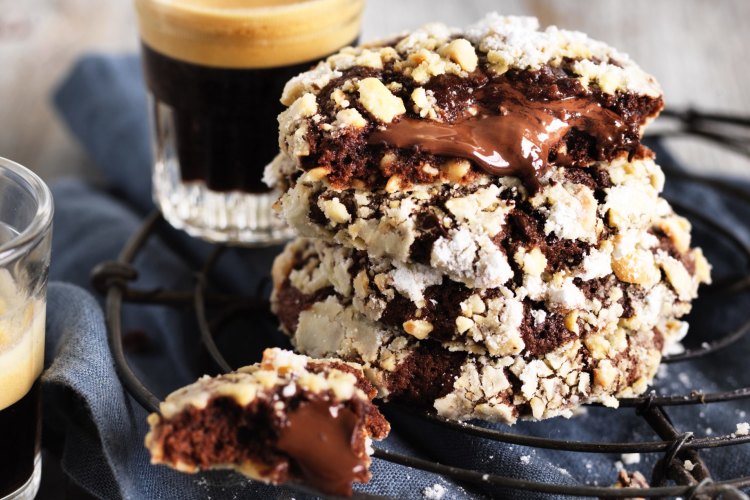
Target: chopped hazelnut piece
{"points": [[379, 101], [462, 53], [418, 328]]}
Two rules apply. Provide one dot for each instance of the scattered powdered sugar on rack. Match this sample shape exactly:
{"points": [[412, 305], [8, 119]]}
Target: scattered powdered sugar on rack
{"points": [[434, 492]]}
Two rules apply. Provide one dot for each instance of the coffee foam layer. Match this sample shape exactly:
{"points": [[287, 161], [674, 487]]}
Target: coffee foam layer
{"points": [[248, 33], [21, 341]]}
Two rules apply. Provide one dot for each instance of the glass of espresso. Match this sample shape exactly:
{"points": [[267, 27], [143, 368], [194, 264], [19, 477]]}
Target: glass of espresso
{"points": [[25, 227], [215, 70]]}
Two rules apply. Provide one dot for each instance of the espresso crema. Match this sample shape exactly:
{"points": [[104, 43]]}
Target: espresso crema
{"points": [[248, 33]]}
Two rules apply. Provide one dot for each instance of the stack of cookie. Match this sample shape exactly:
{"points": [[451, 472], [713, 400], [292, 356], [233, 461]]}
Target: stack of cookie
{"points": [[480, 226]]}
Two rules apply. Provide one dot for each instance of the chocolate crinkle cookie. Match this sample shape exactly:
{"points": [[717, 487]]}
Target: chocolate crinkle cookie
{"points": [[480, 226], [287, 418]]}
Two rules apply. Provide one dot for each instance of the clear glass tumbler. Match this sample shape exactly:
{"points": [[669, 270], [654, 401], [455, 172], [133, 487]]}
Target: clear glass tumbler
{"points": [[25, 231], [215, 70]]}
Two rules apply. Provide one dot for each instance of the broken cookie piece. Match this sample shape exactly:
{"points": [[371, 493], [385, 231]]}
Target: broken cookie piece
{"points": [[288, 418]]}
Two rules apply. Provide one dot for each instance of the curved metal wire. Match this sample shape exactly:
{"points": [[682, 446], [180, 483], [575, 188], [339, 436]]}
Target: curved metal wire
{"points": [[200, 313], [567, 445], [478, 477], [112, 279], [115, 276]]}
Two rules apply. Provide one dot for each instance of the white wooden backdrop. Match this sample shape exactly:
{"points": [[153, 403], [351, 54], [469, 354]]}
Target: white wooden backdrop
{"points": [[698, 49]]}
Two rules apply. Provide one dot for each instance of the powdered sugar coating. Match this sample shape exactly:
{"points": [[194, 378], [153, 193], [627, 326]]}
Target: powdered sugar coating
{"points": [[460, 230], [517, 42], [582, 297]]}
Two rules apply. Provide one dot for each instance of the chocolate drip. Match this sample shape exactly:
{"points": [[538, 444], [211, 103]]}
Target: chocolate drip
{"points": [[510, 134], [318, 437]]}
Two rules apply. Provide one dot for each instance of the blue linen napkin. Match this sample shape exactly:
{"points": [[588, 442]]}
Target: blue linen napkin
{"points": [[104, 104]]}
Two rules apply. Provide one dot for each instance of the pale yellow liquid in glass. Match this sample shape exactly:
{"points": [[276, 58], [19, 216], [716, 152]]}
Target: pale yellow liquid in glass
{"points": [[21, 341]]}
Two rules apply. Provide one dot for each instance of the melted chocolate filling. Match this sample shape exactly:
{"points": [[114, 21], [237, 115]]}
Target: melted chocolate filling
{"points": [[511, 133], [318, 438]]}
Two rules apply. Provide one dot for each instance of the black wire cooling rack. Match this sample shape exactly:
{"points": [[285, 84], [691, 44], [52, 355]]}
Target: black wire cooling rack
{"points": [[669, 476]]}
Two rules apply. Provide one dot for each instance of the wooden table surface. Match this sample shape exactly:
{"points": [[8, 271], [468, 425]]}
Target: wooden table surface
{"points": [[697, 49]]}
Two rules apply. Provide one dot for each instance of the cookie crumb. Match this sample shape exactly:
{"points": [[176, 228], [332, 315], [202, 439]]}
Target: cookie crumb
{"points": [[630, 480], [631, 458], [743, 429], [434, 492]]}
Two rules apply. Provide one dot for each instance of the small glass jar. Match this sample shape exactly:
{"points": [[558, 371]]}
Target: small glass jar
{"points": [[25, 232]]}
